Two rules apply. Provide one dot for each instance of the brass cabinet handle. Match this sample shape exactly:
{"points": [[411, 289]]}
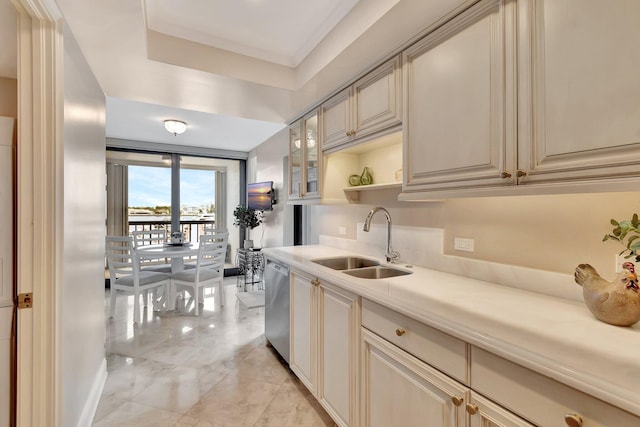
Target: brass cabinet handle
{"points": [[505, 174], [472, 409], [457, 400], [400, 332], [520, 173], [573, 420]]}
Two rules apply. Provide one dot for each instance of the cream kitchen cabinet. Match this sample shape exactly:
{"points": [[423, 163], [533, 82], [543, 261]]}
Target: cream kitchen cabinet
{"points": [[372, 104], [325, 324], [579, 90], [398, 389], [538, 398], [524, 97], [305, 160], [459, 115], [403, 379], [484, 413]]}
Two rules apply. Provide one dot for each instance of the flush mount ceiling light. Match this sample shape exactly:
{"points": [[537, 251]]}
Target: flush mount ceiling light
{"points": [[175, 126]]}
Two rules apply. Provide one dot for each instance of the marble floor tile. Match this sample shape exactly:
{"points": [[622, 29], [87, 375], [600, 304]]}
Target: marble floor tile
{"points": [[213, 370], [135, 415], [234, 401], [294, 406]]}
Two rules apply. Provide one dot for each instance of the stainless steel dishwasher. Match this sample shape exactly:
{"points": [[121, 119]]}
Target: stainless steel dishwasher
{"points": [[276, 304]]}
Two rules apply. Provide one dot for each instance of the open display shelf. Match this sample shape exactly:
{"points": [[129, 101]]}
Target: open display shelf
{"points": [[353, 193]]}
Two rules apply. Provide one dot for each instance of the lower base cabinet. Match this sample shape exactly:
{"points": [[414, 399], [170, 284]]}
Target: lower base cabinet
{"points": [[371, 366], [325, 324], [484, 413], [398, 389]]}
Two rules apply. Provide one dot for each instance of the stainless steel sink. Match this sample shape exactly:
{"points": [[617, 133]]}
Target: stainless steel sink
{"points": [[346, 263], [377, 272]]}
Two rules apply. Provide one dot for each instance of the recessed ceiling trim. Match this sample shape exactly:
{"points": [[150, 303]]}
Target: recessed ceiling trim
{"points": [[176, 51], [278, 31]]}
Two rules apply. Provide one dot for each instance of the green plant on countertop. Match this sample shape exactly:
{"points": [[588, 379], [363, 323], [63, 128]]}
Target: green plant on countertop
{"points": [[248, 218], [627, 232]]}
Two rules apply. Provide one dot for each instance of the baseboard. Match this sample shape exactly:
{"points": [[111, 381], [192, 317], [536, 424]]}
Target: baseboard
{"points": [[93, 400]]}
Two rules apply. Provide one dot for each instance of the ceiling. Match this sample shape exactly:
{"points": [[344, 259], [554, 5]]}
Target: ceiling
{"points": [[235, 71]]}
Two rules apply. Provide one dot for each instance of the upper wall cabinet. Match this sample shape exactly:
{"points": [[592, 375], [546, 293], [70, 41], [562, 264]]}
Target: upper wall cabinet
{"points": [[459, 89], [305, 160], [371, 104], [579, 109], [529, 96]]}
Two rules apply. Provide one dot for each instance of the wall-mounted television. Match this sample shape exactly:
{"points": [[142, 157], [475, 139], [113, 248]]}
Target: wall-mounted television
{"points": [[261, 196]]}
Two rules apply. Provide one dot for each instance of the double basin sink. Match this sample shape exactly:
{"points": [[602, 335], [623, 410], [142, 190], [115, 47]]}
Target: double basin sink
{"points": [[361, 267]]}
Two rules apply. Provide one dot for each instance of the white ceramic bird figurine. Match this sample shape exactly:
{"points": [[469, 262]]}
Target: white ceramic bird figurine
{"points": [[617, 302]]}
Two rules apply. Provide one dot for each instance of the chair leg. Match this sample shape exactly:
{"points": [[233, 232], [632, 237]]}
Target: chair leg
{"points": [[145, 297], [221, 292], [196, 299], [112, 308], [136, 307]]}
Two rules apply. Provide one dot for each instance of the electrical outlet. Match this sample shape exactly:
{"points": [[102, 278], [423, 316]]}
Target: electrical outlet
{"points": [[621, 260], [462, 244], [342, 230]]}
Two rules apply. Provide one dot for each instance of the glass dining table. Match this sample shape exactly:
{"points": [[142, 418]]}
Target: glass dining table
{"points": [[177, 253]]}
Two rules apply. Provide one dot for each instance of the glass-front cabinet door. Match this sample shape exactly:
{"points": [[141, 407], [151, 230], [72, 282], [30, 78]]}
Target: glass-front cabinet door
{"points": [[304, 158], [295, 161], [311, 156]]}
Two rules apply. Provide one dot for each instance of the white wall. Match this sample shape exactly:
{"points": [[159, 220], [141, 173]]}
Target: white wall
{"points": [[265, 163], [82, 313], [233, 199]]}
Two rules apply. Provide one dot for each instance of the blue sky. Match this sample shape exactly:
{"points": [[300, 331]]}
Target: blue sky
{"points": [[151, 186]]}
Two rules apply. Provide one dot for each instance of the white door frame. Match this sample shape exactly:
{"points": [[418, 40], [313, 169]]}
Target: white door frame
{"points": [[39, 206]]}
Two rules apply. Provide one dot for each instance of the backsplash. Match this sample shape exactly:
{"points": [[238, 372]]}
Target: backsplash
{"points": [[423, 247]]}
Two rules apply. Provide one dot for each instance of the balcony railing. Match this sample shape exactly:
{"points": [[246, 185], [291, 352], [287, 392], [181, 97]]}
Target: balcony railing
{"points": [[191, 229]]}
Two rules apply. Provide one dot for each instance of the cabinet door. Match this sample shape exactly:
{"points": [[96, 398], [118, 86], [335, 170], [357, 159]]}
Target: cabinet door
{"points": [[484, 413], [579, 110], [399, 390], [339, 324], [459, 102], [303, 327], [377, 99], [295, 160], [336, 120], [312, 158]]}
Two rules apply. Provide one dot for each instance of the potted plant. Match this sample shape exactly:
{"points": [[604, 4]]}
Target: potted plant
{"points": [[249, 219], [627, 232]]}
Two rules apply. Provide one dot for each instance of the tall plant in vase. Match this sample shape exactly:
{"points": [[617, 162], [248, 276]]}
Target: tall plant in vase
{"points": [[248, 219]]}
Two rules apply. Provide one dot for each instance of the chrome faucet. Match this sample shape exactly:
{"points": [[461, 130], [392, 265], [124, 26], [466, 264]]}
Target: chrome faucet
{"points": [[391, 255]]}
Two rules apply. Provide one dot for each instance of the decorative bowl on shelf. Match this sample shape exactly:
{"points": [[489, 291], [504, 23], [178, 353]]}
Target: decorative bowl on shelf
{"points": [[354, 180]]}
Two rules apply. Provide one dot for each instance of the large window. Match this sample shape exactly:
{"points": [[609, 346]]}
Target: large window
{"points": [[142, 193]]}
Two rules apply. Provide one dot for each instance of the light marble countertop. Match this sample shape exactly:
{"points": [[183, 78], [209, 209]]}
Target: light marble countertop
{"points": [[553, 336]]}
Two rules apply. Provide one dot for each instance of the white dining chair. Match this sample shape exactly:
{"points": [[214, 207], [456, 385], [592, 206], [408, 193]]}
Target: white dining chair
{"points": [[211, 229], [209, 270], [207, 229], [143, 238], [125, 275]]}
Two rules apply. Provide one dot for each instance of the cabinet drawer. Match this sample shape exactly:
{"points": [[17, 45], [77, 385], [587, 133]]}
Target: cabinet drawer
{"points": [[442, 351], [538, 398]]}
